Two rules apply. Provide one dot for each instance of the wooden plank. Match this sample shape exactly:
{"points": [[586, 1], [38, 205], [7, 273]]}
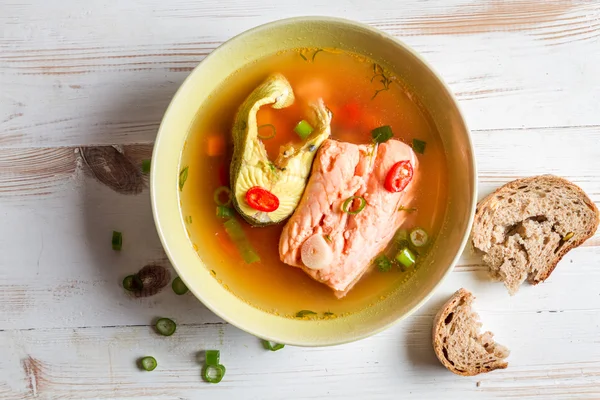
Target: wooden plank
{"points": [[106, 74], [100, 363], [66, 217]]}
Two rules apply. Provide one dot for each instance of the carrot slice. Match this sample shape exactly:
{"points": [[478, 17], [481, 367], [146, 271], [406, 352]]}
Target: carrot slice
{"points": [[215, 145]]}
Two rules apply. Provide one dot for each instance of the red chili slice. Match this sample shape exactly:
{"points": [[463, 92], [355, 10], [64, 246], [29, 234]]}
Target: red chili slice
{"points": [[261, 199], [399, 176]]}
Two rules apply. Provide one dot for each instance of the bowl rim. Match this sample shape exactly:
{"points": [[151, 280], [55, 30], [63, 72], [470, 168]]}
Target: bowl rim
{"points": [[426, 64]]}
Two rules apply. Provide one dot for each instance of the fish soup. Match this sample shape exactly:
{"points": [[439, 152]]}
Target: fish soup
{"points": [[344, 107]]}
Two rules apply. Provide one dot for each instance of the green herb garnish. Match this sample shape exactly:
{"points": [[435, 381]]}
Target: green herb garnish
{"points": [[179, 287], [328, 238], [268, 130], [384, 264], [418, 146], [221, 192], [183, 175], [213, 373], [303, 57], [166, 326], [145, 166], [305, 313], [133, 283], [148, 363], [328, 314], [382, 134], [315, 54], [348, 204], [407, 209], [224, 212], [406, 257], [272, 346], [213, 357], [303, 129], [117, 240], [383, 79]]}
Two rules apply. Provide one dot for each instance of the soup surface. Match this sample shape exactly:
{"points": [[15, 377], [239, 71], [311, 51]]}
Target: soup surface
{"points": [[362, 96]]}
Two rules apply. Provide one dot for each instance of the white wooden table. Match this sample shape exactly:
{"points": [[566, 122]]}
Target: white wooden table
{"points": [[99, 73]]}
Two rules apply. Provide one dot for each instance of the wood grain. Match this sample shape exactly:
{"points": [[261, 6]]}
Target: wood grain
{"points": [[78, 77]]}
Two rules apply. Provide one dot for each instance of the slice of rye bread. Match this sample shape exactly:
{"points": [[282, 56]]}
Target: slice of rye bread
{"points": [[457, 342], [526, 227]]}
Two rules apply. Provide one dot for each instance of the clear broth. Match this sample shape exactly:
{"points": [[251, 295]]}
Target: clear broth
{"points": [[340, 78]]}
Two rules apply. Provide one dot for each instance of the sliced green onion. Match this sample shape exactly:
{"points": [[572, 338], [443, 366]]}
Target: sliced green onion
{"points": [[269, 131], [304, 313], [148, 363], [183, 177], [382, 134], [166, 326], [145, 166], [303, 129], [220, 191], [224, 212], [407, 209], [400, 235], [272, 346], [384, 264], [419, 146], [188, 219], [213, 357], [406, 257], [328, 314], [214, 373], [133, 283], [418, 237], [179, 287], [237, 235], [348, 203], [117, 240]]}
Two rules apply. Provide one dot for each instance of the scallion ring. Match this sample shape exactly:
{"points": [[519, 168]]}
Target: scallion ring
{"points": [[224, 212], [117, 241], [214, 373], [272, 346], [132, 283], [179, 287], [303, 129], [148, 363], [166, 326], [220, 191], [418, 237], [269, 129], [213, 357], [406, 257], [348, 203]]}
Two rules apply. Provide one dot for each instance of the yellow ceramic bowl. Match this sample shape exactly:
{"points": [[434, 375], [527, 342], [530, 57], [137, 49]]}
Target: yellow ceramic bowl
{"points": [[314, 32]]}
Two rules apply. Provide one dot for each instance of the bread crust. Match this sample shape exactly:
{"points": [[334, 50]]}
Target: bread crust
{"points": [[439, 321], [548, 179]]}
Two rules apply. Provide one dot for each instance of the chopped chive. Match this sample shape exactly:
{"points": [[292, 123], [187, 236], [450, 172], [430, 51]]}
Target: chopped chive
{"points": [[303, 129], [272, 346], [183, 175], [236, 233], [383, 263], [133, 283], [269, 131], [145, 166], [148, 363], [303, 57], [213, 357], [166, 326], [419, 237], [419, 146], [407, 209], [219, 193], [382, 134], [179, 287], [214, 373], [348, 204], [224, 212], [315, 54], [117, 240], [406, 257], [304, 313]]}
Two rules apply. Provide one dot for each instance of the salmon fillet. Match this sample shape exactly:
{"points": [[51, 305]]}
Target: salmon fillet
{"points": [[342, 170]]}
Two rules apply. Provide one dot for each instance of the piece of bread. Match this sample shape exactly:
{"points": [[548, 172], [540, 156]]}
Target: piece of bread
{"points": [[457, 342], [526, 227]]}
